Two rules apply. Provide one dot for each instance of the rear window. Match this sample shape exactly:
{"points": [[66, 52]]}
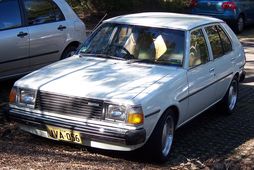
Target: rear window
{"points": [[226, 43], [42, 11], [215, 41], [58, 13], [220, 42], [9, 14]]}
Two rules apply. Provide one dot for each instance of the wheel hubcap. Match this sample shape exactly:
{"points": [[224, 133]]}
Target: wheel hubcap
{"points": [[232, 95], [167, 135], [240, 24]]}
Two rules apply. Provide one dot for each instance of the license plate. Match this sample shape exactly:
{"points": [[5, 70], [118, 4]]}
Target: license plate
{"points": [[64, 134]]}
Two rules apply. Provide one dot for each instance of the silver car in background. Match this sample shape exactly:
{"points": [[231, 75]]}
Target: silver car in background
{"points": [[34, 33]]}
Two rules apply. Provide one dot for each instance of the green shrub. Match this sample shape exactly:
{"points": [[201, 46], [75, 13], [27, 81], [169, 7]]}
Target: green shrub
{"points": [[127, 6]]}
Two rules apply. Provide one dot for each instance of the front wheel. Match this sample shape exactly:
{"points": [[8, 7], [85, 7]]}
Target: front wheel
{"points": [[161, 140]]}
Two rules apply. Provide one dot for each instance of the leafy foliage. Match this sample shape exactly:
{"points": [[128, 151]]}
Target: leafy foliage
{"points": [[124, 6]]}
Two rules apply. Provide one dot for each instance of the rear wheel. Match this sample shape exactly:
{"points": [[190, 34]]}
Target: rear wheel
{"points": [[69, 51], [229, 102], [239, 25], [161, 140]]}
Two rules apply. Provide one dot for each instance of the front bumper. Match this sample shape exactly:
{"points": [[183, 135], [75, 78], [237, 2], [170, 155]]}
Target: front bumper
{"points": [[94, 135]]}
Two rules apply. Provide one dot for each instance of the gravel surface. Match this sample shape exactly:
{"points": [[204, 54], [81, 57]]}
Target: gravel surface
{"points": [[211, 141]]}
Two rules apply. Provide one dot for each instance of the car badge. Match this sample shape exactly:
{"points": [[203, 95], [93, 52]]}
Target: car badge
{"points": [[93, 104]]}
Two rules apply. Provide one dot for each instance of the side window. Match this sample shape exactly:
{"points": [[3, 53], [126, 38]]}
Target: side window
{"points": [[9, 14], [225, 40], [198, 49], [58, 13], [39, 11], [215, 41]]}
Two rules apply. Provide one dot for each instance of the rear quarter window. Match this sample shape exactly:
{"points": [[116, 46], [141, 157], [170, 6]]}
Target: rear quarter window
{"points": [[42, 11]]}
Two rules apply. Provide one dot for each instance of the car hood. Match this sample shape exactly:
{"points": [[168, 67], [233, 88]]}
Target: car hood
{"points": [[95, 78]]}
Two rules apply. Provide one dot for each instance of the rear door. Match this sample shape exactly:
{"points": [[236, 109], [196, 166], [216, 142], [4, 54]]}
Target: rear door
{"points": [[200, 74], [47, 29], [223, 56], [14, 40]]}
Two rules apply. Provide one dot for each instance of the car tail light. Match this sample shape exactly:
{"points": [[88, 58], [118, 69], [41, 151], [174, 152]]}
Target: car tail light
{"points": [[229, 5], [193, 3]]}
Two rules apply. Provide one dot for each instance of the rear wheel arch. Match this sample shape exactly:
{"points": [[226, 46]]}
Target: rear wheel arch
{"points": [[228, 103], [243, 15], [70, 47], [239, 24]]}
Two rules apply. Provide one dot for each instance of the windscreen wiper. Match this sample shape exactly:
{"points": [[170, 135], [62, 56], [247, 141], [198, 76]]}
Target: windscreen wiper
{"points": [[141, 61], [101, 56]]}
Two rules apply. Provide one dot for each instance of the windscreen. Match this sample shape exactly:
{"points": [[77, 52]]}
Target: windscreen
{"points": [[128, 42]]}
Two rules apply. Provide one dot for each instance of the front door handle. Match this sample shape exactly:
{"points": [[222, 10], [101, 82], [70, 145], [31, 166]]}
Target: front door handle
{"points": [[22, 34], [61, 27]]}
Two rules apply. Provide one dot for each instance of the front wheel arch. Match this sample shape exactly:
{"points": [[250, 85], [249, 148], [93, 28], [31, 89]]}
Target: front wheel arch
{"points": [[176, 112], [152, 145]]}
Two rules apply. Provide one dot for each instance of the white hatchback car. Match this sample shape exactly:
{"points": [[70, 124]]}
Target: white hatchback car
{"points": [[136, 80], [34, 33]]}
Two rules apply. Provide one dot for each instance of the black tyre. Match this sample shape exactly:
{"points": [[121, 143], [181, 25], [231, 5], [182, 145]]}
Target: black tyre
{"points": [[239, 24], [161, 140], [68, 52], [228, 104]]}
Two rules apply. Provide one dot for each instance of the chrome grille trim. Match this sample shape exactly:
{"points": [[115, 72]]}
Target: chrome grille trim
{"points": [[66, 105]]}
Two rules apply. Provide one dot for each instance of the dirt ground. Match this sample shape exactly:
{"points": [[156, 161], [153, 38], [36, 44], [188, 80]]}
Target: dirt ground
{"points": [[211, 141]]}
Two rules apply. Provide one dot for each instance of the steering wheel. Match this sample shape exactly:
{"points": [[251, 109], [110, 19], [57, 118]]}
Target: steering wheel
{"points": [[128, 55]]}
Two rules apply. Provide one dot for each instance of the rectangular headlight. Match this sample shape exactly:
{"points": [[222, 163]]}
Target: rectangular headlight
{"points": [[131, 114], [27, 97], [116, 112]]}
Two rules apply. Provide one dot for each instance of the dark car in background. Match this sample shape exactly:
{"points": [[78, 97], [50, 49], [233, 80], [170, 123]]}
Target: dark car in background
{"points": [[237, 13]]}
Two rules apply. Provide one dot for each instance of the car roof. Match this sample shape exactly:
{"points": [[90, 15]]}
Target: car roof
{"points": [[165, 20]]}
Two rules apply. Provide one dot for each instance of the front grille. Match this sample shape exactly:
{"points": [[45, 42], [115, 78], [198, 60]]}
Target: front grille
{"points": [[65, 105]]}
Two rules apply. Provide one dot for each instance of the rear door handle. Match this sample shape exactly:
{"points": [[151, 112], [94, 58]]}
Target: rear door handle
{"points": [[61, 27], [211, 70], [22, 34]]}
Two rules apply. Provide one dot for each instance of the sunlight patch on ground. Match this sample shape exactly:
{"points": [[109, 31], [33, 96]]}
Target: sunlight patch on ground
{"points": [[244, 154]]}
